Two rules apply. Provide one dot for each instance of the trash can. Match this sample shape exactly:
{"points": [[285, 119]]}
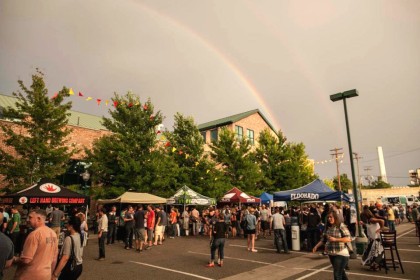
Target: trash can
{"points": [[295, 237]]}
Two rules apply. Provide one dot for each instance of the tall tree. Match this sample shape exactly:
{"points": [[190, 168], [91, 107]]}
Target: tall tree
{"points": [[130, 157], [284, 165], [236, 162], [345, 183], [186, 146], [35, 139]]}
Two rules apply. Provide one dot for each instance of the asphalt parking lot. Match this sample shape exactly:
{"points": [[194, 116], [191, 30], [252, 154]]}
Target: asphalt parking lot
{"points": [[186, 257]]}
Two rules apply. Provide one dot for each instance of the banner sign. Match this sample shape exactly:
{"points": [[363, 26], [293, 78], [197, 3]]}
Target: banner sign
{"points": [[57, 200], [304, 196]]}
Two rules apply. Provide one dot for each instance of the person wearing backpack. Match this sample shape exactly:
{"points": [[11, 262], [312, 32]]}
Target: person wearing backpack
{"points": [[70, 262]]}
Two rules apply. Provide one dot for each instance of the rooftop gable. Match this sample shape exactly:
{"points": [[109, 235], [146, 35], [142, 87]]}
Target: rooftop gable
{"points": [[233, 119]]}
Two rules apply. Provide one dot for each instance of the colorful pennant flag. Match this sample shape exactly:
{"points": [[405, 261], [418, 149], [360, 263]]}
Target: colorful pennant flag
{"points": [[145, 107], [98, 101], [196, 163], [54, 96], [168, 144], [80, 94], [71, 92], [173, 149], [89, 98], [106, 102], [115, 104], [187, 156], [130, 105]]}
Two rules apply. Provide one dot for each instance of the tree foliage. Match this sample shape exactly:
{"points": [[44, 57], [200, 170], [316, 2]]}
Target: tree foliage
{"points": [[345, 182], [131, 157], [36, 135], [236, 162], [378, 185], [186, 146], [284, 165]]}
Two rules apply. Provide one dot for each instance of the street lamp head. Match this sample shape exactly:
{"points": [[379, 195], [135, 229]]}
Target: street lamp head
{"points": [[342, 95]]}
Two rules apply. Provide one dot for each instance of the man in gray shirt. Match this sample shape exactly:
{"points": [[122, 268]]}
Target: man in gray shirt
{"points": [[55, 219], [278, 224]]}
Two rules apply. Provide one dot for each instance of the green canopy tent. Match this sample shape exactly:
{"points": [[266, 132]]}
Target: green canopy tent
{"points": [[186, 196]]}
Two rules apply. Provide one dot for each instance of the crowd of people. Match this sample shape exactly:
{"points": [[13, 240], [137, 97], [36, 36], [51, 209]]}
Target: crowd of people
{"points": [[142, 227], [44, 246]]}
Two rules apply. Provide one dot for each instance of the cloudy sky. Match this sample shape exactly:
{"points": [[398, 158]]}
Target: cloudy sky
{"points": [[212, 59]]}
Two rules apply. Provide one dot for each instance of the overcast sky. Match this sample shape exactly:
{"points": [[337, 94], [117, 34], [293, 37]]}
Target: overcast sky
{"points": [[212, 59]]}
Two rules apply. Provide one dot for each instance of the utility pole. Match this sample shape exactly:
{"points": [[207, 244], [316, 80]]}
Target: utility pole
{"points": [[337, 152], [356, 157], [367, 169]]}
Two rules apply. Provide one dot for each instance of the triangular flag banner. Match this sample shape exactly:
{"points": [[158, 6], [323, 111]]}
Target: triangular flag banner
{"points": [[145, 107], [115, 104], [158, 132], [168, 144], [207, 171], [137, 103], [152, 117], [173, 149], [89, 98], [106, 102], [80, 94], [187, 156], [130, 105], [71, 92], [54, 96], [180, 152], [98, 101], [196, 163], [215, 179]]}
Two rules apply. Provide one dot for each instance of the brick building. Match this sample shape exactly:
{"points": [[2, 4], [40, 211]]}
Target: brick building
{"points": [[85, 129], [247, 125]]}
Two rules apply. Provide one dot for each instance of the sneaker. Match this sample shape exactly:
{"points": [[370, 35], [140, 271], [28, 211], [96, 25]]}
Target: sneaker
{"points": [[171, 237], [127, 248], [254, 251], [100, 259], [210, 265]]}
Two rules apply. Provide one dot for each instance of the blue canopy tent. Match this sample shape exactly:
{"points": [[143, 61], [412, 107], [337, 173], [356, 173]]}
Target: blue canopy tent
{"points": [[314, 191], [266, 198]]}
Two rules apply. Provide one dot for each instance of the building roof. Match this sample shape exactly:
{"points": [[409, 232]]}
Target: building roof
{"points": [[233, 119], [75, 119]]}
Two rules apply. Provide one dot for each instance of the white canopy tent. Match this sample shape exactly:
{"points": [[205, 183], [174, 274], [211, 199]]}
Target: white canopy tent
{"points": [[135, 198]]}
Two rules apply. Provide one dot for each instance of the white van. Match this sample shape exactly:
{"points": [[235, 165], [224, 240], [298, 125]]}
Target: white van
{"points": [[406, 200]]}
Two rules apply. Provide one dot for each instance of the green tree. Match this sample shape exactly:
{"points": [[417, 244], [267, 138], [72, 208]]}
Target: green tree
{"points": [[378, 185], [345, 182], [186, 146], [130, 157], [284, 165], [35, 139], [236, 162]]}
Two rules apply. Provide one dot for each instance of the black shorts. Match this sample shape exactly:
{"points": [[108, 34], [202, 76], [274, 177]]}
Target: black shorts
{"points": [[250, 231], [265, 225]]}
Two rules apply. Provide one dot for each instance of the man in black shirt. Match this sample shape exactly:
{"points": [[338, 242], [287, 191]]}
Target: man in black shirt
{"points": [[139, 230], [129, 228]]}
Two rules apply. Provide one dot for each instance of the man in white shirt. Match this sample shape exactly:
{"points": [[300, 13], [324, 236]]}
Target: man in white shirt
{"points": [[278, 223], [102, 232]]}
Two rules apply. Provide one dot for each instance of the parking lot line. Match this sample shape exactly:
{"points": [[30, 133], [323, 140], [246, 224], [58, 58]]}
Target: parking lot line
{"points": [[238, 259], [172, 270], [314, 272], [405, 233], [268, 249]]}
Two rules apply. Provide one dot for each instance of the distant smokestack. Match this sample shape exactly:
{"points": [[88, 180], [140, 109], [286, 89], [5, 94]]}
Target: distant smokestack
{"points": [[382, 165]]}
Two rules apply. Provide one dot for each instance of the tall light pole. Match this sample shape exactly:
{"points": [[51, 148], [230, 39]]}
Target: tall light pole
{"points": [[344, 96]]}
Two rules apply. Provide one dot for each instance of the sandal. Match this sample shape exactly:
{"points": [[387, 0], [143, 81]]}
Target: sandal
{"points": [[210, 265]]}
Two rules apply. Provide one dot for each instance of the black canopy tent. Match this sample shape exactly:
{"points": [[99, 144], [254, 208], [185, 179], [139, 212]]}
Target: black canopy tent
{"points": [[44, 193]]}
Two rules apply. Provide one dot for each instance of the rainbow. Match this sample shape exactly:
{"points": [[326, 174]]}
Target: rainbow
{"points": [[223, 57]]}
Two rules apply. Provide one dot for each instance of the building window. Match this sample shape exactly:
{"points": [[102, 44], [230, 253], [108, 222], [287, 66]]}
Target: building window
{"points": [[239, 131], [251, 136], [204, 133], [214, 135]]}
